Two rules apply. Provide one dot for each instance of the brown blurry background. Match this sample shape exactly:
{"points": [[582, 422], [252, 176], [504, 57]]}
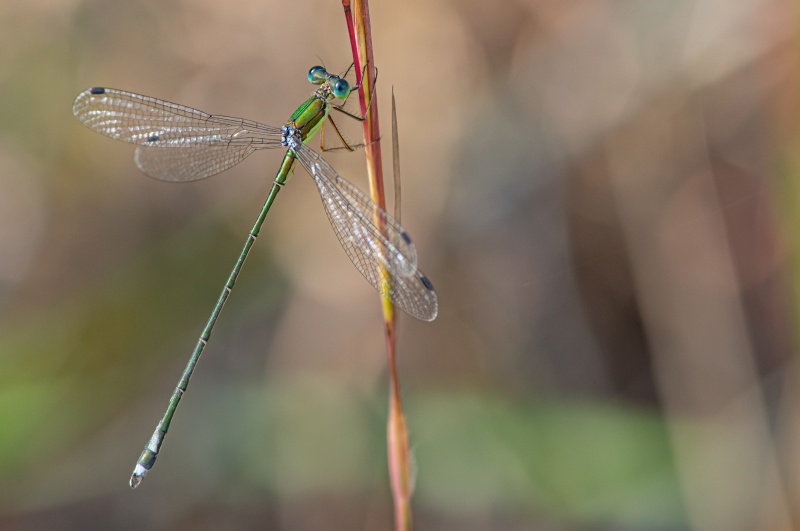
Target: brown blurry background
{"points": [[603, 193]]}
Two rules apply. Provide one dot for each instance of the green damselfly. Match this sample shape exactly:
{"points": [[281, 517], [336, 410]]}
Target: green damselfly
{"points": [[177, 143]]}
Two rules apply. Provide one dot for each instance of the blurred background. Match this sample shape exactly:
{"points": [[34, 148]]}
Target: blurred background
{"points": [[604, 194]]}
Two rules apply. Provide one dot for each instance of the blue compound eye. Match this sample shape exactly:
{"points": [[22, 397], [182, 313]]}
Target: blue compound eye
{"points": [[340, 88], [317, 75]]}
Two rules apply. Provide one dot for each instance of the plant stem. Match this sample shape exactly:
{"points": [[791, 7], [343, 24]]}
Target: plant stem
{"points": [[359, 29]]}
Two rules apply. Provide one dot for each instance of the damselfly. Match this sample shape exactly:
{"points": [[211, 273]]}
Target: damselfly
{"points": [[177, 143]]}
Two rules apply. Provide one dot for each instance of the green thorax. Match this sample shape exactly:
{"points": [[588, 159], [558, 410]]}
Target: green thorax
{"points": [[306, 120], [310, 116]]}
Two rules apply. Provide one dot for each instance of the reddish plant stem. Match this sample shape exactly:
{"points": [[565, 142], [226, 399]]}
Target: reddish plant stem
{"points": [[358, 25]]}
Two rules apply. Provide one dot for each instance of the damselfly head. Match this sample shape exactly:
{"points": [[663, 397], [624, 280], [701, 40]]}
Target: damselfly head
{"points": [[337, 86]]}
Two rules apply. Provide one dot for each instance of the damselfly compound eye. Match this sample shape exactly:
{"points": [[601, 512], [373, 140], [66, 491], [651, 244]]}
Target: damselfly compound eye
{"points": [[317, 75], [341, 88]]}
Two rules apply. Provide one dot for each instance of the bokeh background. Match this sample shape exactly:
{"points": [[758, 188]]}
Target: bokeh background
{"points": [[603, 193]]}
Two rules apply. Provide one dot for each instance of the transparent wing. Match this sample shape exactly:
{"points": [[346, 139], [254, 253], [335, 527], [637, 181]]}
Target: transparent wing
{"points": [[189, 164], [362, 206], [209, 143], [389, 262]]}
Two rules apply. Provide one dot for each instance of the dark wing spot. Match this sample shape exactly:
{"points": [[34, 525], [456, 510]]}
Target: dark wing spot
{"points": [[97, 90], [152, 138], [426, 282], [406, 237]]}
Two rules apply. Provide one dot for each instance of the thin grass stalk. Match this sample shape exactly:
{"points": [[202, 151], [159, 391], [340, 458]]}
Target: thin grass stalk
{"points": [[395, 161], [359, 29]]}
